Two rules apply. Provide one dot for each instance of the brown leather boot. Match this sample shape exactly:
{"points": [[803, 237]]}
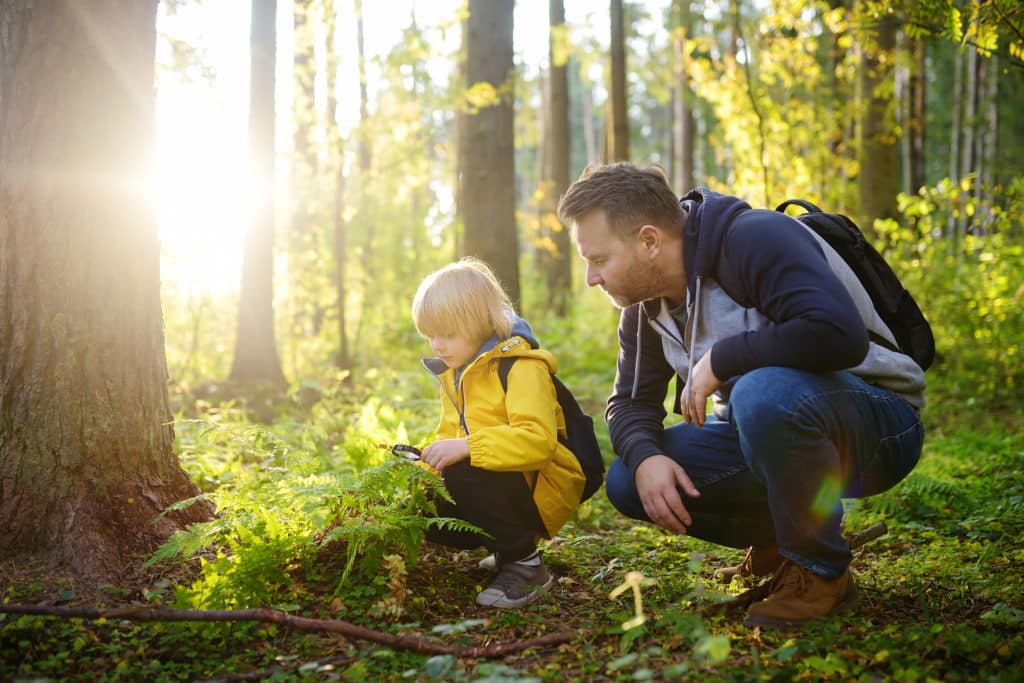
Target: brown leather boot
{"points": [[798, 595], [757, 562]]}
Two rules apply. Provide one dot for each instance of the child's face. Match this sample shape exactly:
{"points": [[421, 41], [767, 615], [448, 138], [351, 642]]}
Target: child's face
{"points": [[455, 349]]}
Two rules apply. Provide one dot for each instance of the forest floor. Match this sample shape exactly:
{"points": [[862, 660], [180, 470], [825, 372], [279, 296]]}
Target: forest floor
{"points": [[941, 599]]}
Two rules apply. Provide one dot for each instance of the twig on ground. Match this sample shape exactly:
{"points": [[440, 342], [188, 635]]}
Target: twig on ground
{"points": [[760, 592], [273, 616]]}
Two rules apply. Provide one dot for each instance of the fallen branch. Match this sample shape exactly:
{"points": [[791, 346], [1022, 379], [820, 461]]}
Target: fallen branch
{"points": [[760, 592], [273, 616]]}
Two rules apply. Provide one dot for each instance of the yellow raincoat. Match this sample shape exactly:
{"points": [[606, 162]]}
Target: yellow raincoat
{"points": [[513, 431]]}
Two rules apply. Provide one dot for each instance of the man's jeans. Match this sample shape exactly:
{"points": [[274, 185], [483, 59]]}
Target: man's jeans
{"points": [[795, 443]]}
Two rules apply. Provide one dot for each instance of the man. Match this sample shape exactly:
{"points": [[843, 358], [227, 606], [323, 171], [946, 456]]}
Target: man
{"points": [[810, 404]]}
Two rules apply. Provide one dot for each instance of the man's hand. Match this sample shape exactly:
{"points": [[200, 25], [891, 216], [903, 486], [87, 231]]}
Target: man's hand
{"points": [[702, 384], [658, 480], [445, 452]]}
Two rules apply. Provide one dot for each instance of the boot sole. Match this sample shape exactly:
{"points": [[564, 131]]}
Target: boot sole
{"points": [[847, 603]]}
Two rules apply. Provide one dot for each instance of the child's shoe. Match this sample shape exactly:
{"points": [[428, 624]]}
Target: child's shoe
{"points": [[517, 584], [489, 563]]}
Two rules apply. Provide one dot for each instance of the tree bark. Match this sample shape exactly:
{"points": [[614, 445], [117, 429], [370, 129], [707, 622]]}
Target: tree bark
{"points": [[306, 312], [919, 80], [560, 273], [86, 434], [619, 128], [256, 360], [878, 154], [955, 136], [337, 223], [683, 123], [968, 152], [488, 172]]}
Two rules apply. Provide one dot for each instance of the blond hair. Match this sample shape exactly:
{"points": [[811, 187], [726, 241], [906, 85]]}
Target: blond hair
{"points": [[463, 298]]}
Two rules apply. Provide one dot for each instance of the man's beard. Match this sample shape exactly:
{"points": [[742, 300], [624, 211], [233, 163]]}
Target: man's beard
{"points": [[640, 283]]}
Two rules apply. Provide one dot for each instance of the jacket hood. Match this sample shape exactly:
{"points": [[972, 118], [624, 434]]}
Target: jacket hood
{"points": [[709, 216], [521, 342]]}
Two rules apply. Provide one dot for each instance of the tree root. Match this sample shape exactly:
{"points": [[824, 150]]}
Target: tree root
{"points": [[273, 616], [760, 592]]}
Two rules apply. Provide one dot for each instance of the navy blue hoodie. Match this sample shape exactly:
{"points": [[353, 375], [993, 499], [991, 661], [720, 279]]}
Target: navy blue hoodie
{"points": [[762, 260]]}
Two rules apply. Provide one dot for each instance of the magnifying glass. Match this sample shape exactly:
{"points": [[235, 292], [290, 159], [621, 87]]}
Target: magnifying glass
{"points": [[404, 451]]}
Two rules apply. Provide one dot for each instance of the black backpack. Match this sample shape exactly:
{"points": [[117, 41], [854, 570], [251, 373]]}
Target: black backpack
{"points": [[892, 301], [579, 427]]}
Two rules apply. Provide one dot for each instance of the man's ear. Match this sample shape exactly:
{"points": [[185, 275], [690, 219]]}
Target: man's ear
{"points": [[651, 238]]}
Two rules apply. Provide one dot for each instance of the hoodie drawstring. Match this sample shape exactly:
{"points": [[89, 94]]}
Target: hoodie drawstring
{"points": [[693, 341], [636, 363]]}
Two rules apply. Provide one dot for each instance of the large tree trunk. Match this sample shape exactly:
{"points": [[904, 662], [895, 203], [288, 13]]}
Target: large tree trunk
{"points": [[560, 272], [256, 360], [86, 458], [878, 155], [488, 172], [619, 125]]}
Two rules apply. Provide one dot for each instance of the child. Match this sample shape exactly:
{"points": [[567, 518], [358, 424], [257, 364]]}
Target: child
{"points": [[497, 451]]}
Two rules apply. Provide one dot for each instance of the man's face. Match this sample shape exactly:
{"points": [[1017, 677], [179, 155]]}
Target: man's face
{"points": [[617, 266]]}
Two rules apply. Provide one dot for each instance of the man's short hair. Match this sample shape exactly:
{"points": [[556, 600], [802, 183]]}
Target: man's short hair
{"points": [[629, 195], [463, 298]]}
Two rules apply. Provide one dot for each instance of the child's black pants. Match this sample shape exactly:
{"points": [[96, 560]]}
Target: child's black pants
{"points": [[500, 503]]}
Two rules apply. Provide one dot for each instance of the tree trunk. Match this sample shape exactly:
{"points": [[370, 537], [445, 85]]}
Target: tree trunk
{"points": [[878, 156], [619, 125], [988, 139], [362, 183], [560, 273], [336, 157], [256, 360], [683, 112], [306, 311], [955, 136], [589, 134], [968, 158], [488, 172], [86, 435], [919, 80]]}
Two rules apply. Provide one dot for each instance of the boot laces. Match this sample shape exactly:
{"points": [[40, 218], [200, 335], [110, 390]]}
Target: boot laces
{"points": [[790, 577]]}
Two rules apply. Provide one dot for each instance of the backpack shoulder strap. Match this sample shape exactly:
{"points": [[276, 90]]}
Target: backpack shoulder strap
{"points": [[504, 367]]}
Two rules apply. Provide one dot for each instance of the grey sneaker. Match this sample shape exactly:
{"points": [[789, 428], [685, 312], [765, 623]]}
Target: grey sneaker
{"points": [[516, 585], [489, 563]]}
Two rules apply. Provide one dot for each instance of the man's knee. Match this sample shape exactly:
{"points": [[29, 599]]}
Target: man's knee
{"points": [[620, 488], [765, 402]]}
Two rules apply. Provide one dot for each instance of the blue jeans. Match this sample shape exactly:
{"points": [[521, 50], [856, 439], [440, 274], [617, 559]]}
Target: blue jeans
{"points": [[796, 443]]}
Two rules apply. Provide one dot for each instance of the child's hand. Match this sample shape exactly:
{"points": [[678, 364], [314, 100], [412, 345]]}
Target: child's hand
{"points": [[445, 452]]}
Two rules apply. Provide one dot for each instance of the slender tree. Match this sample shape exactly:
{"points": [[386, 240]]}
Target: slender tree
{"points": [[488, 164], [682, 111], [918, 97], [306, 309], [336, 157], [256, 360], [560, 269], [618, 129], [86, 435]]}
